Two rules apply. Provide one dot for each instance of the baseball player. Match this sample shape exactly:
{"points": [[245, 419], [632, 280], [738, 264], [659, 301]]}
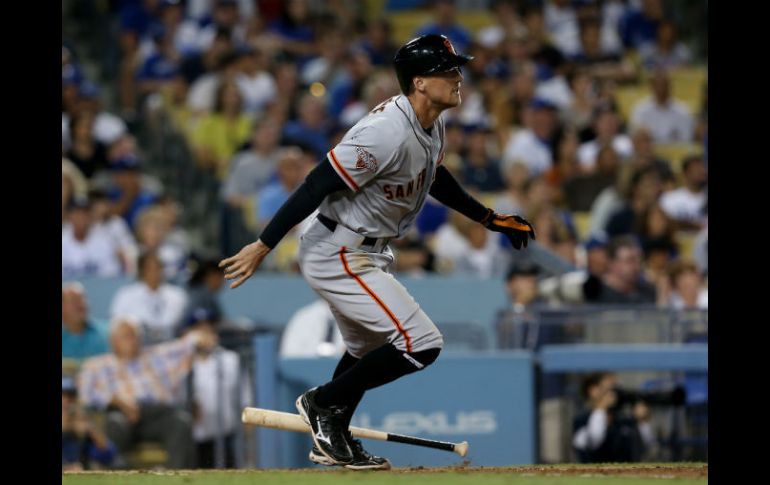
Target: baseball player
{"points": [[369, 190]]}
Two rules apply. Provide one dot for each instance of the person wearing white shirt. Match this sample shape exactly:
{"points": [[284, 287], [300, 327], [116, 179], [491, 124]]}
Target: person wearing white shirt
{"points": [[255, 82], [312, 332], [158, 305], [685, 204], [86, 250], [531, 146], [667, 119], [607, 128]]}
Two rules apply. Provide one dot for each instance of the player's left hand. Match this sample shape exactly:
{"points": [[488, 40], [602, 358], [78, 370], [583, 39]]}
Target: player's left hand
{"points": [[518, 229], [241, 266]]}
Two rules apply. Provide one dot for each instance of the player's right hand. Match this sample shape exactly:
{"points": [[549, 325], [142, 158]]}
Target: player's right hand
{"points": [[241, 266], [518, 229]]}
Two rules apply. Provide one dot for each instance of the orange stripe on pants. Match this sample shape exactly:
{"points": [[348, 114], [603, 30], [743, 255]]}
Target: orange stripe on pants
{"points": [[379, 302]]}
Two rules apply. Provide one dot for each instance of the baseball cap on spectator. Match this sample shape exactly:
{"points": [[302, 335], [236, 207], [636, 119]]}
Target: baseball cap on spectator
{"points": [[200, 314], [522, 267], [68, 385], [79, 203], [598, 240], [126, 162], [89, 90], [542, 103]]}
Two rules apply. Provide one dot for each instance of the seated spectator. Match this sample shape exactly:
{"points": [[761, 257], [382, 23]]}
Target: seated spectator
{"points": [[378, 42], [81, 336], [582, 190], [643, 191], [139, 388], [153, 235], [607, 130], [160, 68], [158, 306], [686, 289], [445, 13], [73, 185], [83, 445], [255, 81], [291, 170], [604, 65], [532, 146], [668, 119], [463, 246], [310, 128], [85, 250], [105, 219], [665, 52], [253, 169], [685, 204], [87, 153], [312, 332], [480, 170], [128, 192], [220, 134], [623, 282], [516, 324], [107, 127], [644, 155], [597, 258], [295, 31], [639, 25], [604, 433]]}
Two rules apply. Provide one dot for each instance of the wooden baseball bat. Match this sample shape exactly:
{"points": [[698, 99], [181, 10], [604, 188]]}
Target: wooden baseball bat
{"points": [[267, 418]]}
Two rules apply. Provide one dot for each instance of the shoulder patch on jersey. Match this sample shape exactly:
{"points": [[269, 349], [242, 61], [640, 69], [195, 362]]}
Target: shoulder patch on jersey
{"points": [[365, 160]]}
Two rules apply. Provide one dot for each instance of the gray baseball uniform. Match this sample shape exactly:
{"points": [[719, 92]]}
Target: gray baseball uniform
{"points": [[388, 161]]}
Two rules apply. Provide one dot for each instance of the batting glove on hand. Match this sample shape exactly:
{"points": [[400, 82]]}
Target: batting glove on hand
{"points": [[518, 229]]}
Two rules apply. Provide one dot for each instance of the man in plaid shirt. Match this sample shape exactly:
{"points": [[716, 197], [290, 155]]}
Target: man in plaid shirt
{"points": [[139, 389]]}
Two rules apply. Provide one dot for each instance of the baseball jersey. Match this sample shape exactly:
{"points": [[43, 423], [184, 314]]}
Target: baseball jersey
{"points": [[389, 162]]}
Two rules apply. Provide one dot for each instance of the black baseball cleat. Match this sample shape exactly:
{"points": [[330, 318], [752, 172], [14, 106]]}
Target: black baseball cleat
{"points": [[362, 459], [328, 426]]}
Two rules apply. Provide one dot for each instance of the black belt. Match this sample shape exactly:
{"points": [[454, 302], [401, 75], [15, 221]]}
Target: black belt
{"points": [[332, 225]]}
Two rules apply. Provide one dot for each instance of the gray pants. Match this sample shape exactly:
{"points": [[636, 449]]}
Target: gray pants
{"points": [[166, 424], [371, 307]]}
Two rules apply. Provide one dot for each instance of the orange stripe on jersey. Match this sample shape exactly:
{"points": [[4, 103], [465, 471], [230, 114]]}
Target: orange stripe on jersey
{"points": [[379, 302], [341, 170]]}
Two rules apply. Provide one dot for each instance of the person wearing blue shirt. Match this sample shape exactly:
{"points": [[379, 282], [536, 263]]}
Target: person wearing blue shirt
{"points": [[81, 337], [446, 25]]}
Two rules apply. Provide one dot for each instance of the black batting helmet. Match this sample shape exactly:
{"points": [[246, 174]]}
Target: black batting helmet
{"points": [[428, 54]]}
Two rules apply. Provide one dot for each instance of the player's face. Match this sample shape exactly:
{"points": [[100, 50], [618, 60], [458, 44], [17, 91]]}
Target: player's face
{"points": [[444, 88]]}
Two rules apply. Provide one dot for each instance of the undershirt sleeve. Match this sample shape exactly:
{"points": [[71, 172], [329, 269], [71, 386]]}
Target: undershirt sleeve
{"points": [[449, 192]]}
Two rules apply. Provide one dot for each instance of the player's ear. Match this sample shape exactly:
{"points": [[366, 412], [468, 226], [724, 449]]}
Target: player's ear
{"points": [[419, 83]]}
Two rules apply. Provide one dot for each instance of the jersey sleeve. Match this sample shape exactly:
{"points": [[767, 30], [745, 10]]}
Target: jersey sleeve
{"points": [[365, 152]]}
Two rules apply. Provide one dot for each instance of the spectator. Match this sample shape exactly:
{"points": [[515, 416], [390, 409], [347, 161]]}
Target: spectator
{"points": [[602, 433], [255, 81], [378, 42], [129, 193], [580, 113], [607, 129], [603, 65], [312, 332], [158, 306], [85, 151], [685, 205], [153, 234], [552, 83], [218, 392], [644, 155], [204, 285], [328, 67], [532, 146], [668, 119], [644, 190], [623, 282], [107, 127], [480, 170], [139, 388], [86, 251], [310, 127], [639, 26], [203, 98], [81, 336], [516, 324], [446, 24], [183, 32], [348, 89], [291, 170], [597, 257], [508, 25], [220, 134], [160, 68], [686, 290], [461, 248], [105, 219], [74, 184], [666, 52], [226, 16], [581, 190], [294, 30], [561, 22], [83, 445]]}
